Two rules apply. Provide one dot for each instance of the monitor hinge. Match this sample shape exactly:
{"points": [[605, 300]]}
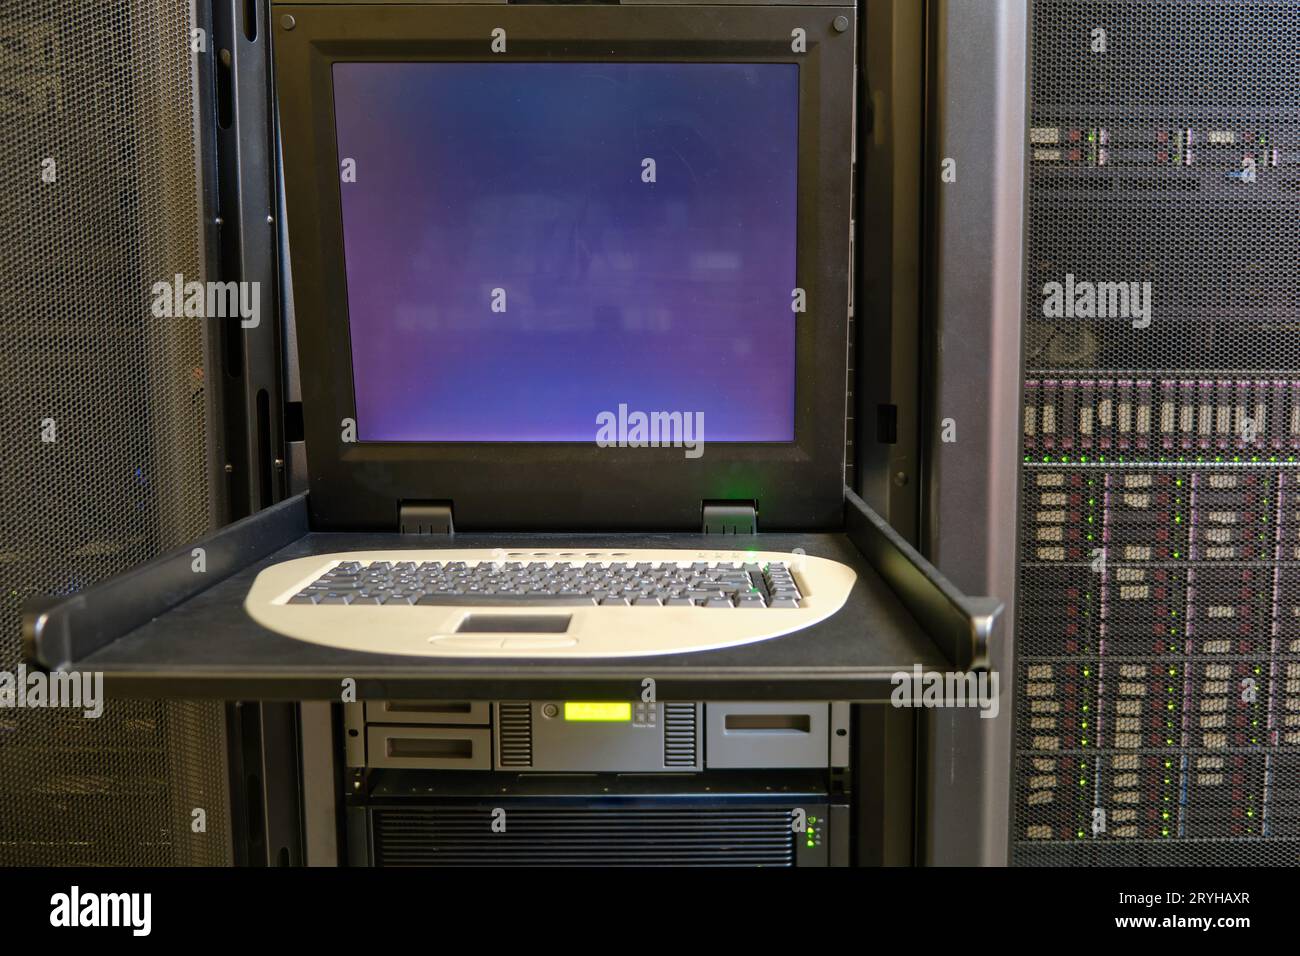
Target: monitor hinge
{"points": [[425, 517], [730, 517]]}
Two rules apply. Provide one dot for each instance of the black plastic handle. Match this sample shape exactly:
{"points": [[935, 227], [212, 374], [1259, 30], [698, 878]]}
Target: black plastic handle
{"points": [[57, 631], [961, 627]]}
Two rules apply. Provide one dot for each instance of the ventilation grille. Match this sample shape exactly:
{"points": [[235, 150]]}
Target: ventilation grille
{"points": [[1158, 637], [515, 734], [564, 836], [681, 735], [101, 101]]}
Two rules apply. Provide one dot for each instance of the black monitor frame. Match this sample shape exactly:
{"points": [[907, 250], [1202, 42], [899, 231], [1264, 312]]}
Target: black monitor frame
{"points": [[534, 486]]}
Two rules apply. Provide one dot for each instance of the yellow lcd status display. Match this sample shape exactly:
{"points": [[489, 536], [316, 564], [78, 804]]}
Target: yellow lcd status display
{"points": [[598, 711]]}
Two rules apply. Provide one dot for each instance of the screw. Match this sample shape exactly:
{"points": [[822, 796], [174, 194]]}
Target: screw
{"points": [[288, 22], [230, 469], [269, 219], [900, 479], [279, 464], [840, 23]]}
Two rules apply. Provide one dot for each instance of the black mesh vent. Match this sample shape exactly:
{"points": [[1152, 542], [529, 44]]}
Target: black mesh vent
{"points": [[576, 836], [680, 735], [515, 734], [100, 200], [1158, 644]]}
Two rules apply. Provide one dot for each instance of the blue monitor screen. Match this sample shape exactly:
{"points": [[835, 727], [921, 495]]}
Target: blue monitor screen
{"points": [[531, 248]]}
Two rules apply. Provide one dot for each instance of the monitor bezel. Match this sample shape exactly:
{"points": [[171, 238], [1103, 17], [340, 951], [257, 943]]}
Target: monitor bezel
{"points": [[526, 486]]}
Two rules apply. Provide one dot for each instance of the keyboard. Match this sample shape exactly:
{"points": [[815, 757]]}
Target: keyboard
{"points": [[461, 602], [710, 584]]}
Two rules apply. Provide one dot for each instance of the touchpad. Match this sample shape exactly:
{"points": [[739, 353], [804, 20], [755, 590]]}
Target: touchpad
{"points": [[514, 624]]}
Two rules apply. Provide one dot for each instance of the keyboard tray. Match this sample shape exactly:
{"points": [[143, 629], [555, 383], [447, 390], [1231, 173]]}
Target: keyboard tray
{"points": [[166, 630]]}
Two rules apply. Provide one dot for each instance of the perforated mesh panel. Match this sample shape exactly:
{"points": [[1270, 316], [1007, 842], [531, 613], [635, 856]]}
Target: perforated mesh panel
{"points": [[577, 836], [104, 90], [1158, 645]]}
